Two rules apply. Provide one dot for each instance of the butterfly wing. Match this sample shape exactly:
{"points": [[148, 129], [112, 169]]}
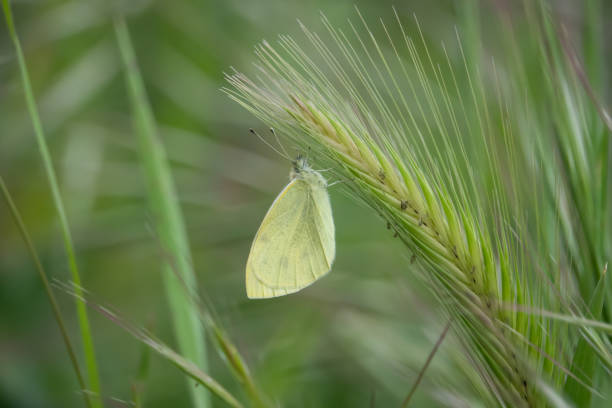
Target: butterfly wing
{"points": [[294, 245]]}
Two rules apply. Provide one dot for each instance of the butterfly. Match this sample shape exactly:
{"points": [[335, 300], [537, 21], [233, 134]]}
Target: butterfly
{"points": [[295, 244]]}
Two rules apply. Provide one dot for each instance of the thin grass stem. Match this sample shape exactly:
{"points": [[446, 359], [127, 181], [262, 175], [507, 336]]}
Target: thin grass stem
{"points": [[48, 290], [86, 337], [430, 357], [149, 340]]}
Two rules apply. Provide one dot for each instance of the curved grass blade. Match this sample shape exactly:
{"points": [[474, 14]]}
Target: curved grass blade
{"points": [[88, 345], [43, 277], [145, 337], [223, 343]]}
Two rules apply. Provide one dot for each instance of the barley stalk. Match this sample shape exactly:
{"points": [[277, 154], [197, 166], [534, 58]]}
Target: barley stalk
{"points": [[396, 153]]}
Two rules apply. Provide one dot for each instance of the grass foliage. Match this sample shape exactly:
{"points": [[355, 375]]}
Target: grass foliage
{"points": [[85, 330], [178, 269], [438, 151], [486, 158]]}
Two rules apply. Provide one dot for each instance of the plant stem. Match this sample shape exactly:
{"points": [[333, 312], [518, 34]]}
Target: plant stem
{"points": [[167, 217], [88, 345], [427, 362], [43, 277]]}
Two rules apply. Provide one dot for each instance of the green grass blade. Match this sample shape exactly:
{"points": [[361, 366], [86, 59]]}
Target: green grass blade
{"points": [[139, 382], [43, 277], [585, 358], [239, 367], [167, 217], [88, 346], [152, 343]]}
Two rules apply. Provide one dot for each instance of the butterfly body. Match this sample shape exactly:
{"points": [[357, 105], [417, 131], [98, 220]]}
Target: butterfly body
{"points": [[295, 243]]}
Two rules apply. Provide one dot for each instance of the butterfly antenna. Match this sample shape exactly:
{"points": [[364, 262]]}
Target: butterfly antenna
{"points": [[279, 142], [285, 155]]}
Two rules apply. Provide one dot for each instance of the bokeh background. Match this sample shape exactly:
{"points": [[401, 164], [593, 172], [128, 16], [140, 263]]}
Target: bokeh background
{"points": [[359, 335]]}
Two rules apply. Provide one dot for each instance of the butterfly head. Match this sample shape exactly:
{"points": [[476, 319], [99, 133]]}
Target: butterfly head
{"points": [[303, 171], [300, 165]]}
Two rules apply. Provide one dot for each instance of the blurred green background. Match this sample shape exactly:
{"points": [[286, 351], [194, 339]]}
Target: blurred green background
{"points": [[359, 335]]}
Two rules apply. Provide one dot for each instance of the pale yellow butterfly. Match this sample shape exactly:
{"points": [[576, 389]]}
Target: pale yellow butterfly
{"points": [[295, 243]]}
